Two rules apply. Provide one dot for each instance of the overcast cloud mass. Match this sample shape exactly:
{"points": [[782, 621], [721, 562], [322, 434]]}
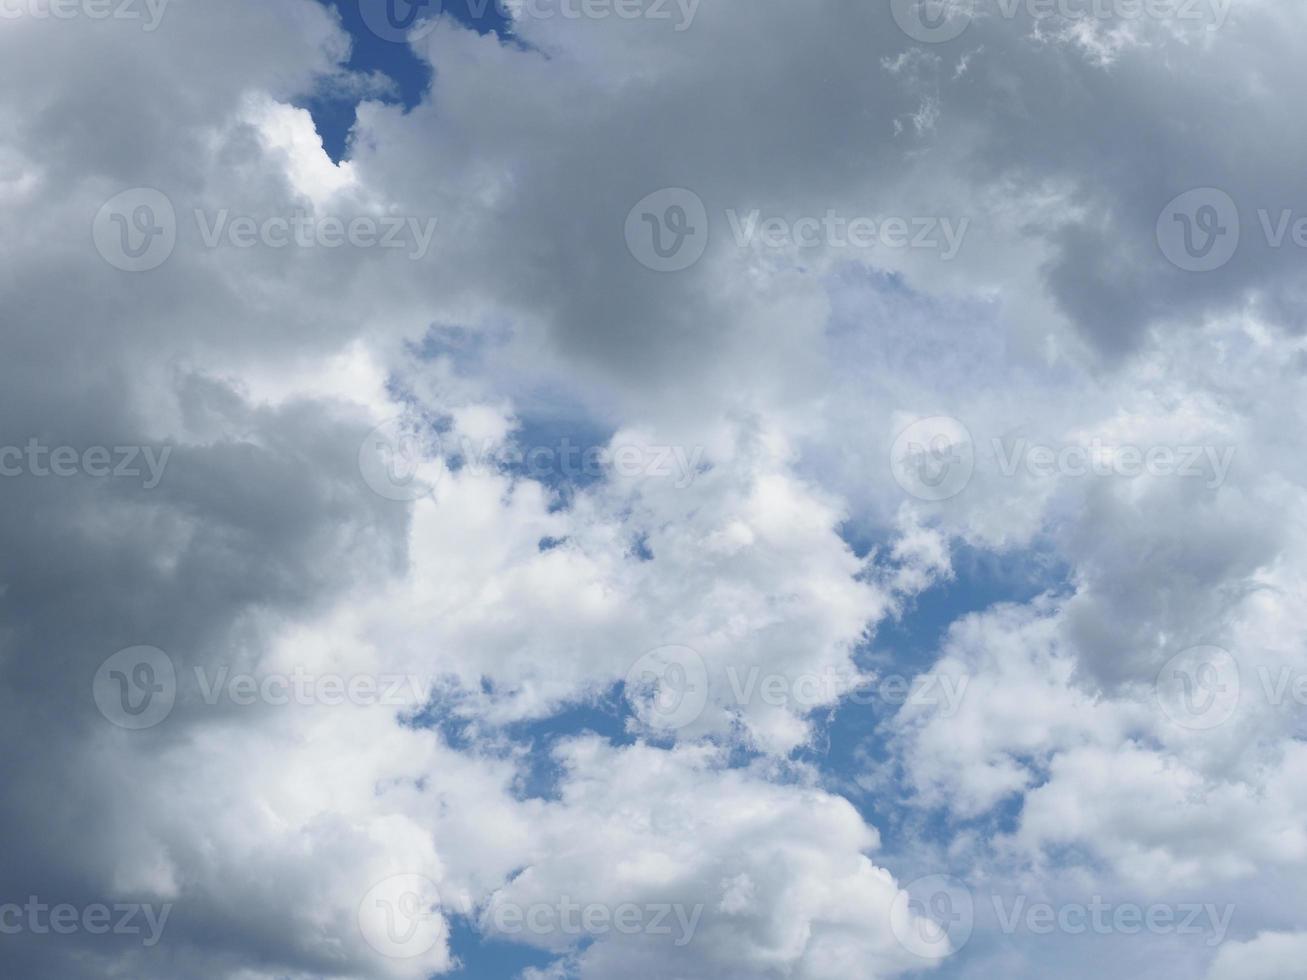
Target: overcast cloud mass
{"points": [[653, 489]]}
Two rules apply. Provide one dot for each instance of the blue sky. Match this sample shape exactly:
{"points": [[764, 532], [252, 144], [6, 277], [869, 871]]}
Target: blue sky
{"points": [[334, 116]]}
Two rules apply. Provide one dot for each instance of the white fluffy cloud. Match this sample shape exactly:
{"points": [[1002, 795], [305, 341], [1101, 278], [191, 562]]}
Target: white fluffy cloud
{"points": [[744, 507]]}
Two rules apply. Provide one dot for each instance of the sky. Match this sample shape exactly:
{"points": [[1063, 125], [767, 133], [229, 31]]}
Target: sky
{"points": [[658, 489]]}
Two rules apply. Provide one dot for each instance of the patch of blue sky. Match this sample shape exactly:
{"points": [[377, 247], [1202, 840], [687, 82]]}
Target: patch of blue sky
{"points": [[333, 107]]}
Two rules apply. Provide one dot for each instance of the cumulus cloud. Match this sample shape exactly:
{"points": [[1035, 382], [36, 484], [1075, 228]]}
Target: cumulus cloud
{"points": [[413, 509]]}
